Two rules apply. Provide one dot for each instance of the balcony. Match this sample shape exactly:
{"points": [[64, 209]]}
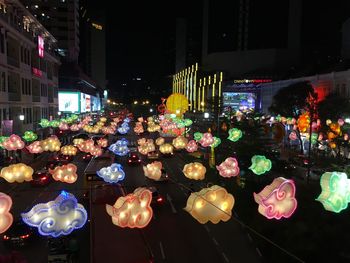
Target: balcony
{"points": [[13, 96], [36, 98], [13, 61]]}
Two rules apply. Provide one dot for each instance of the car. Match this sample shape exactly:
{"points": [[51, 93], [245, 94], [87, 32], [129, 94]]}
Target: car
{"points": [[41, 178], [133, 158], [18, 235], [58, 159], [157, 198], [62, 249], [153, 155]]}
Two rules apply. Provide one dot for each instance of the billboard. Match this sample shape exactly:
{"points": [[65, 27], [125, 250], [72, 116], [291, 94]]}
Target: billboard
{"points": [[85, 103], [95, 103], [239, 100], [40, 46], [69, 101]]}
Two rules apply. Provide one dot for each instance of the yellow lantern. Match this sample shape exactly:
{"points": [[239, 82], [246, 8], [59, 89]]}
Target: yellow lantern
{"points": [[18, 173], [177, 103], [194, 171], [180, 142]]}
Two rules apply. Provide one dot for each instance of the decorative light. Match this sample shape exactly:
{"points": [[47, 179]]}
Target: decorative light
{"points": [[63, 126], [228, 168], [120, 147], [234, 134], [191, 146], [303, 122], [65, 173], [51, 144], [13, 143], [78, 141], [6, 218], [206, 115], [194, 171], [277, 200], [153, 170], [74, 127], [146, 148], [166, 148], [335, 194], [197, 136], [35, 147], [138, 129], [44, 123], [112, 174], [180, 142], [123, 129], [54, 123], [58, 217], [260, 164], [21, 117], [207, 139], [141, 141], [133, 210], [30, 136], [210, 204], [18, 173], [216, 142], [86, 146], [102, 142], [293, 136], [160, 141], [69, 150]]}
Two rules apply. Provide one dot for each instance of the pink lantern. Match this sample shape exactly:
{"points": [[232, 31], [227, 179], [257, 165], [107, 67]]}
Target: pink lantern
{"points": [[6, 218], [35, 147], [65, 173], [63, 126], [74, 127], [207, 140], [13, 143], [228, 168], [341, 122], [191, 146]]}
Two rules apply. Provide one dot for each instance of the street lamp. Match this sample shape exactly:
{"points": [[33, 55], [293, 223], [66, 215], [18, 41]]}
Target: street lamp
{"points": [[21, 117], [59, 113], [150, 110], [135, 102], [206, 115]]}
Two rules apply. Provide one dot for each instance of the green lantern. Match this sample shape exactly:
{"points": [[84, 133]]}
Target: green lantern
{"points": [[197, 136], [30, 136], [44, 123], [234, 134], [260, 164]]}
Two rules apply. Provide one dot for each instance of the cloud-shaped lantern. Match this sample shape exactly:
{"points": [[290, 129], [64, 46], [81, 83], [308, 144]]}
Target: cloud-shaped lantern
{"points": [[194, 171], [112, 174], [166, 148], [120, 147], [124, 128], [74, 127], [108, 130], [65, 173], [211, 204], [18, 173], [141, 141], [102, 142], [58, 217], [160, 141], [51, 144], [191, 146], [234, 134], [69, 150], [153, 170], [207, 139], [180, 142], [6, 218], [260, 164], [63, 126], [86, 146], [335, 194], [277, 200], [30, 136], [13, 143], [146, 148], [35, 147], [133, 210], [228, 168]]}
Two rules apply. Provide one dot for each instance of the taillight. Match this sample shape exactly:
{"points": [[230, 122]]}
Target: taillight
{"points": [[159, 199], [139, 160], [129, 161], [24, 236], [6, 237], [43, 178]]}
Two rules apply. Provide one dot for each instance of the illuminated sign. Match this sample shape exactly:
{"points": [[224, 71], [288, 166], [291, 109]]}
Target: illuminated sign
{"points": [[37, 72], [41, 46], [239, 100], [85, 102], [69, 101], [255, 81]]}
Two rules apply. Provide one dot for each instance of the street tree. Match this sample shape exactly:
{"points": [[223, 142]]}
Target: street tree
{"points": [[333, 107]]}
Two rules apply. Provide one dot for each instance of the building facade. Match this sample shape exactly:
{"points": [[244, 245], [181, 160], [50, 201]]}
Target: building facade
{"points": [[28, 70]]}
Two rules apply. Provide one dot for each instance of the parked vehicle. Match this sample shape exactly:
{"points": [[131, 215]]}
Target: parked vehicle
{"points": [[18, 235]]}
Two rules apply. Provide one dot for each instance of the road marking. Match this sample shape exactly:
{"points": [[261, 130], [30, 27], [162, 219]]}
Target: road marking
{"points": [[215, 241], [207, 228], [162, 250], [171, 204], [225, 257], [258, 251]]}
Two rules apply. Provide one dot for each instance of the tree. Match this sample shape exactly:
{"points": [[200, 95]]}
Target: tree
{"points": [[333, 107]]}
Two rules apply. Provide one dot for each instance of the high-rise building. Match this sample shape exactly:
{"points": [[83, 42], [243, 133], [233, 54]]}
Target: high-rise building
{"points": [[61, 19], [28, 70], [346, 39]]}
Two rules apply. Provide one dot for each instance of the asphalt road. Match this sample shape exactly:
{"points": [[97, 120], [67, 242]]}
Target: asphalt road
{"points": [[172, 235]]}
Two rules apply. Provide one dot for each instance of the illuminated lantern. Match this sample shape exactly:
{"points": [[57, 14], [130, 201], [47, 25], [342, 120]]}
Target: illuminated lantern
{"points": [[63, 126], [74, 127], [69, 150], [207, 140], [30, 136], [6, 218], [120, 147], [335, 127], [335, 194], [180, 142], [2, 139], [234, 134], [102, 142], [138, 129], [78, 141], [332, 145], [133, 210], [13, 143], [228, 168], [86, 146], [35, 147], [112, 174], [260, 164], [341, 122], [58, 217], [191, 146], [210, 204], [153, 170], [44, 123], [166, 148], [346, 137], [277, 200], [303, 122], [177, 103], [65, 173], [140, 119], [141, 141], [197, 136], [293, 136], [216, 142], [160, 141], [18, 173], [51, 144], [96, 151], [123, 129], [194, 171], [103, 119], [54, 123], [146, 148]]}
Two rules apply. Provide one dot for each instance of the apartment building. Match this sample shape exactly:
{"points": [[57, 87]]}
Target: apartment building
{"points": [[28, 70]]}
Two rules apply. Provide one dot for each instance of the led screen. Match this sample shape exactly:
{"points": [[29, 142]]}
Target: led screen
{"points": [[85, 105], [68, 101], [95, 103], [239, 100]]}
